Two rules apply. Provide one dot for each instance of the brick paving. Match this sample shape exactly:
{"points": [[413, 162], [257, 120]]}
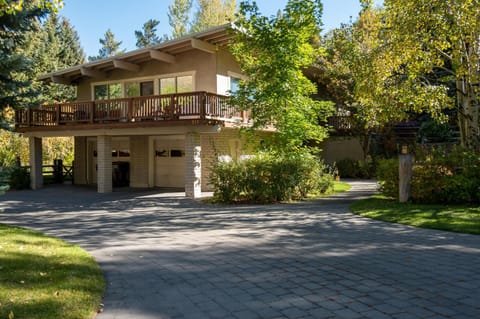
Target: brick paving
{"points": [[165, 256]]}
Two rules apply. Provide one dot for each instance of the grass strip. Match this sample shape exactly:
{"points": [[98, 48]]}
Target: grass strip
{"points": [[462, 219], [43, 277]]}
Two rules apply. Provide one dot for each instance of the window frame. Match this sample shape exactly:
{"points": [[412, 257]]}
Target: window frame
{"points": [[155, 79]]}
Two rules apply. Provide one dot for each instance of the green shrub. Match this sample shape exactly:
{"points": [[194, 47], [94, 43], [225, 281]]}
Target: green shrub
{"points": [[449, 176], [19, 178], [439, 176], [269, 178], [350, 168], [387, 175]]}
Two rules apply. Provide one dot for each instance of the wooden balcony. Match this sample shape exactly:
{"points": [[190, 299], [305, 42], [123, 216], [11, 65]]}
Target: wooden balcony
{"points": [[199, 107]]}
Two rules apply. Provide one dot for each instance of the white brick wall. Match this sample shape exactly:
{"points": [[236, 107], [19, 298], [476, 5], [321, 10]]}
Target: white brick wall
{"points": [[193, 165], [104, 164]]}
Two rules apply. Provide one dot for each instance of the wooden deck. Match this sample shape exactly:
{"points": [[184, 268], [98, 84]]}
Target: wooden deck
{"points": [[128, 111]]}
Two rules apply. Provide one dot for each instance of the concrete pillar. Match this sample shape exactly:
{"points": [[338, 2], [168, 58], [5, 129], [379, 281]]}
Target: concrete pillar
{"points": [[193, 165], [80, 160], [104, 164], [36, 177]]}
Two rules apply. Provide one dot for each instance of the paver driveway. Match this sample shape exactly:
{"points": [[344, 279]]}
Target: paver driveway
{"points": [[165, 256]]}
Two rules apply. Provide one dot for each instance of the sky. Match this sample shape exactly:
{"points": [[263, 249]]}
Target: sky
{"points": [[91, 18]]}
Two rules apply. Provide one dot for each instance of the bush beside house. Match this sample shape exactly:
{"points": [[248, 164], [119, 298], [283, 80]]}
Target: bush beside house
{"points": [[268, 178]]}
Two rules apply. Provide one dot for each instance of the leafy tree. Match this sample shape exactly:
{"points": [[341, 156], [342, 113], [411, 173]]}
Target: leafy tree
{"points": [[178, 17], [345, 70], [148, 36], [110, 47], [442, 35], [14, 145], [420, 50], [11, 7], [211, 13], [273, 52]]}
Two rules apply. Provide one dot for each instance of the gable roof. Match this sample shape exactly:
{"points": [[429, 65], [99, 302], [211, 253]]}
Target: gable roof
{"points": [[208, 41]]}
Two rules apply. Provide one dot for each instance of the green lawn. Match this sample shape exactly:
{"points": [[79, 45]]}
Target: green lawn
{"points": [[340, 187], [463, 219], [44, 277]]}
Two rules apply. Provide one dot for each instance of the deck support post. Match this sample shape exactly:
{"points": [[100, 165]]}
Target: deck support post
{"points": [[104, 164], [193, 165], [36, 177]]}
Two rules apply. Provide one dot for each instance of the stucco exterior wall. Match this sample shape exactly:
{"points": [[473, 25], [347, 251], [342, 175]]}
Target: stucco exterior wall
{"points": [[202, 63], [226, 63], [338, 148]]}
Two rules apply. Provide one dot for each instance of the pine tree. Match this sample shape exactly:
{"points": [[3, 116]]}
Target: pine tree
{"points": [[178, 17], [15, 91], [148, 36], [55, 47], [211, 13], [110, 47]]}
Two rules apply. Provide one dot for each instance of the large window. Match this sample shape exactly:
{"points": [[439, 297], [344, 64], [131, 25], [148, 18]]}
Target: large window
{"points": [[108, 91], [134, 89], [178, 84], [144, 87]]}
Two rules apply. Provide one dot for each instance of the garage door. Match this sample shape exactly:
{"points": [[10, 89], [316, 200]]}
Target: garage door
{"points": [[170, 163]]}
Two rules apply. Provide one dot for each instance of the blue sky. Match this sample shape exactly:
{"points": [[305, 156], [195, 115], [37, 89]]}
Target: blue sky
{"points": [[91, 18]]}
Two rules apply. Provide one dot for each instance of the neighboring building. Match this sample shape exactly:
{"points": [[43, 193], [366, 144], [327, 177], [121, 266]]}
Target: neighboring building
{"points": [[153, 117]]}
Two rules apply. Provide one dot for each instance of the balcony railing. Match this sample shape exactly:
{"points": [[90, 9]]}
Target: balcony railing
{"points": [[167, 107]]}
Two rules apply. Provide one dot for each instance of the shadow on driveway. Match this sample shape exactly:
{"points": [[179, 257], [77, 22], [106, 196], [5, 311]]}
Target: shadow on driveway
{"points": [[165, 256]]}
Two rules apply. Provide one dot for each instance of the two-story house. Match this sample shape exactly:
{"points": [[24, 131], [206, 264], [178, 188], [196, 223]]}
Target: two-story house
{"points": [[152, 117]]}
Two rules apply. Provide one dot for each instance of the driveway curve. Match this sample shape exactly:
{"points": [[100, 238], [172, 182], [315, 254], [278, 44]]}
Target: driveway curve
{"points": [[165, 256]]}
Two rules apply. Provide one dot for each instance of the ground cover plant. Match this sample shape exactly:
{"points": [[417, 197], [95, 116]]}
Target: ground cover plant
{"points": [[43, 277], [457, 218]]}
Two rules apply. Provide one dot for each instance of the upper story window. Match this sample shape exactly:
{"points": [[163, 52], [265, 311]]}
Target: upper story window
{"points": [[176, 84], [234, 84], [108, 91], [133, 89], [166, 84]]}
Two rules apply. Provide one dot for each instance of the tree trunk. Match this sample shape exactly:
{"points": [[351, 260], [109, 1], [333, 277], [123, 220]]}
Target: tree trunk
{"points": [[467, 114]]}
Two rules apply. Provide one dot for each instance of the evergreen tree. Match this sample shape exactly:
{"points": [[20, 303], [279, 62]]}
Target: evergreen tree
{"points": [[110, 47], [15, 91], [52, 46], [178, 17], [211, 13], [148, 36]]}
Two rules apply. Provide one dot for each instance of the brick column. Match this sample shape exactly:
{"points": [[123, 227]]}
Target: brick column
{"points": [[104, 164], [36, 177], [193, 165]]}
